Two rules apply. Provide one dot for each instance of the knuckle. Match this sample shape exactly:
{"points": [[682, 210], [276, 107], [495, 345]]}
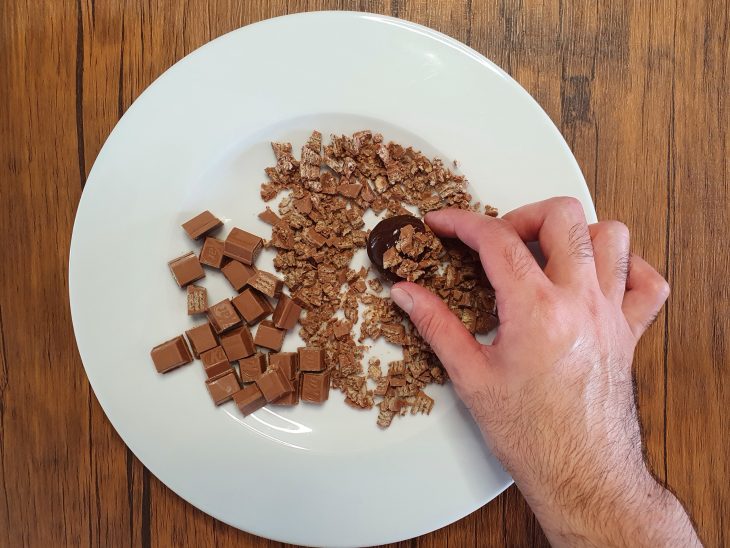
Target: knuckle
{"points": [[660, 287], [617, 230], [569, 203]]}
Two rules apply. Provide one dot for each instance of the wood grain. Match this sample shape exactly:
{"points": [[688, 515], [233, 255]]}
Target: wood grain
{"points": [[638, 89]]}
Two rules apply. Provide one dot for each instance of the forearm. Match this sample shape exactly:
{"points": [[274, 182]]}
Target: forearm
{"points": [[648, 515]]}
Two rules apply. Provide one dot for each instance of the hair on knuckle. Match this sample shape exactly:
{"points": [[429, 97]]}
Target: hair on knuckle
{"points": [[518, 260], [622, 267], [580, 245]]}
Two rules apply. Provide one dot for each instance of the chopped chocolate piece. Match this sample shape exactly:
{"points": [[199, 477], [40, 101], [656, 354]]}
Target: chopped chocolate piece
{"points": [[266, 283], [249, 399], [215, 361], [252, 368], [186, 269], [315, 387], [315, 238], [292, 398], [422, 404], [384, 237], [274, 384], [202, 224], [238, 274], [342, 329], [252, 305], [201, 339], [171, 354], [286, 361], [223, 316], [311, 359], [286, 313], [212, 252], [222, 387], [396, 380], [269, 217], [303, 205], [381, 386], [269, 336], [242, 246], [350, 190], [238, 343], [197, 300]]}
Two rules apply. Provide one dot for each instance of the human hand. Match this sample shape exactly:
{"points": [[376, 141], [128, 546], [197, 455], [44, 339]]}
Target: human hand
{"points": [[553, 395]]}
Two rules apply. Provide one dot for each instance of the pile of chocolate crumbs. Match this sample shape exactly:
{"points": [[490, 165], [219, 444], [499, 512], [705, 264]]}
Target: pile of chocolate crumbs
{"points": [[319, 228]]}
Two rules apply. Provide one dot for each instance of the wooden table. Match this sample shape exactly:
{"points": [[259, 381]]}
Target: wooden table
{"points": [[640, 91]]}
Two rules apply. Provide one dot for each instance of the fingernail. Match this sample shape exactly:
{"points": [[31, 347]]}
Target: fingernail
{"points": [[402, 298]]}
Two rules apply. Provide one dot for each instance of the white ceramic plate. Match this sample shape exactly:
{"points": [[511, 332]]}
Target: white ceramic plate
{"points": [[198, 138]]}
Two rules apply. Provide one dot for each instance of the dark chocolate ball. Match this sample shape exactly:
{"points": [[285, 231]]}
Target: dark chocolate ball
{"points": [[385, 235]]}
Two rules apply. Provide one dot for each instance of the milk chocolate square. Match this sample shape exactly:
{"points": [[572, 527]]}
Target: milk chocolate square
{"points": [[238, 274], [286, 362], [315, 387], [286, 313], [269, 336], [252, 305], [201, 224], [311, 358], [186, 269], [212, 252], [249, 399], [252, 368], [197, 300], [292, 398], [215, 361], [274, 384], [223, 316], [242, 246], [201, 339], [238, 343], [222, 387], [266, 283], [171, 354]]}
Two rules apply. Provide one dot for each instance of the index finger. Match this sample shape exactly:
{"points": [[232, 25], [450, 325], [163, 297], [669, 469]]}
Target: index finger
{"points": [[504, 256]]}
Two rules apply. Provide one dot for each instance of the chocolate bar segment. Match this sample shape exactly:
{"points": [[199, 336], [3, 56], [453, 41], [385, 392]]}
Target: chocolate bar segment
{"points": [[292, 398], [197, 300], [266, 283], [286, 313], [274, 384], [171, 354], [186, 269], [269, 336], [215, 362], [242, 246], [311, 359], [315, 387], [252, 305], [201, 339], [249, 399], [223, 316], [238, 343], [238, 274], [222, 387], [201, 224], [212, 253], [287, 362], [252, 368]]}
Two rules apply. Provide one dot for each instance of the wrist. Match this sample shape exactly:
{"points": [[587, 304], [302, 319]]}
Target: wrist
{"points": [[633, 511]]}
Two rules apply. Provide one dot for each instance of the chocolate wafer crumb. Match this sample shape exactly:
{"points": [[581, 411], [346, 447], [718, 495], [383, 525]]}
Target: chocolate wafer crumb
{"points": [[326, 194]]}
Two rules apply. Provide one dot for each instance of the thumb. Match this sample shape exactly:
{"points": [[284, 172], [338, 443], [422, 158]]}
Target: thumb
{"points": [[458, 350]]}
